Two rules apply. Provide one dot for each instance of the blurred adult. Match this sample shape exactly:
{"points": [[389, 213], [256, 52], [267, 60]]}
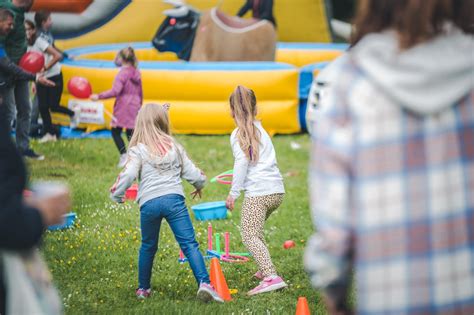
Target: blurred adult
{"points": [[21, 223], [17, 95], [392, 169]]}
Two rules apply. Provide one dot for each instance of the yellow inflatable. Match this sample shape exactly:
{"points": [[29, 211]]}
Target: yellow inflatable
{"points": [[297, 54], [199, 92]]}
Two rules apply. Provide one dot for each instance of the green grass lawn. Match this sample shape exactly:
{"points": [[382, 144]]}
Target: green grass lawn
{"points": [[94, 264]]}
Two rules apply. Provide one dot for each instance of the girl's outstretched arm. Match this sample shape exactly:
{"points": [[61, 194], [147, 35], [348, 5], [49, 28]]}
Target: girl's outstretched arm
{"points": [[127, 176], [117, 87]]}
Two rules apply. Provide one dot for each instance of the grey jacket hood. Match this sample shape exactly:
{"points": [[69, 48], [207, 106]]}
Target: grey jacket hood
{"points": [[426, 78]]}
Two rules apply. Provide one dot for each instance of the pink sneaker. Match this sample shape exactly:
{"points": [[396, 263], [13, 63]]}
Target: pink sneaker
{"points": [[143, 293], [268, 284], [207, 293], [258, 275]]}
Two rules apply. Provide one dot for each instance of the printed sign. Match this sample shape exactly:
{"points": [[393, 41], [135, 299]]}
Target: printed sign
{"points": [[90, 112]]}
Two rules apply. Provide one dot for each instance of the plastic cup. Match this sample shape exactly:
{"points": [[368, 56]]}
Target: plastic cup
{"points": [[47, 189]]}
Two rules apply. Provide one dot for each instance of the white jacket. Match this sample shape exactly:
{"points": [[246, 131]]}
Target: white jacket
{"points": [[158, 176], [260, 179]]}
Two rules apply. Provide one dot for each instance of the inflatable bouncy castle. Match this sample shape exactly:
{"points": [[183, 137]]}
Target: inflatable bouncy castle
{"points": [[92, 32]]}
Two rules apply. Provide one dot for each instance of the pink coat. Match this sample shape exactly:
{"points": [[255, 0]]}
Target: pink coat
{"points": [[128, 93]]}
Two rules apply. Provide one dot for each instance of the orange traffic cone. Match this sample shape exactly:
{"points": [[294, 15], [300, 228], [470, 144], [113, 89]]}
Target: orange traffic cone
{"points": [[302, 307], [218, 280]]}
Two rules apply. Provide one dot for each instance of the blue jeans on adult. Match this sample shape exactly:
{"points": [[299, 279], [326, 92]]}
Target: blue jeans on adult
{"points": [[172, 208]]}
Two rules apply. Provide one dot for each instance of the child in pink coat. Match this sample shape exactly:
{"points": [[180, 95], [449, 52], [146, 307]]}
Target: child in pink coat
{"points": [[128, 93]]}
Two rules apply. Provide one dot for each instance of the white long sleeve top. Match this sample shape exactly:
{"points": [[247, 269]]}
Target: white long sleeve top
{"points": [[256, 179], [158, 176]]}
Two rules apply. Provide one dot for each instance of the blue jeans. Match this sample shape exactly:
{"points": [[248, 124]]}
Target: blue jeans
{"points": [[173, 209]]}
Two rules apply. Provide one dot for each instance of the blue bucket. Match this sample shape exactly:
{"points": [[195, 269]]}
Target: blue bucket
{"points": [[69, 219], [210, 211]]}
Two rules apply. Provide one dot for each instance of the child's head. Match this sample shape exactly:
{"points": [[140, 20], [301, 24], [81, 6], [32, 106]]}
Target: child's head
{"points": [[43, 20], [152, 128], [243, 106], [30, 29], [126, 56]]}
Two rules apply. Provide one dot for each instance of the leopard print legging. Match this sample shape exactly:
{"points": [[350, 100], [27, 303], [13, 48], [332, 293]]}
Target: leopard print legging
{"points": [[255, 211]]}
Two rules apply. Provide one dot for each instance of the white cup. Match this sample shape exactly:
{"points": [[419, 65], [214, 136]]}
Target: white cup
{"points": [[46, 189]]}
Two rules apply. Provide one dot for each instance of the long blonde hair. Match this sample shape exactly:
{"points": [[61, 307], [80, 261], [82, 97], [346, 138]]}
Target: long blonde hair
{"points": [[152, 128], [243, 105]]}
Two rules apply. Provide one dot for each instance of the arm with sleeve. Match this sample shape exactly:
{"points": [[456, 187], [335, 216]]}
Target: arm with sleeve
{"points": [[191, 173], [127, 176], [117, 87], [330, 251], [9, 68], [241, 164]]}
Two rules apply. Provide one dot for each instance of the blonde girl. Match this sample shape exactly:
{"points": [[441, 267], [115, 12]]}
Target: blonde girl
{"points": [[257, 174], [159, 163]]}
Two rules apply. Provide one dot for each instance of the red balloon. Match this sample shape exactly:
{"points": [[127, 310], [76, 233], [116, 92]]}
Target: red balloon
{"points": [[32, 61], [289, 244], [79, 87]]}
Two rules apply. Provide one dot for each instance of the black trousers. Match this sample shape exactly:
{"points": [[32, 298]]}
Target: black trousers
{"points": [[117, 136], [48, 100]]}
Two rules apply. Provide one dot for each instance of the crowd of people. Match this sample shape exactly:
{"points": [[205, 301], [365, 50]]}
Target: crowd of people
{"points": [[391, 172]]}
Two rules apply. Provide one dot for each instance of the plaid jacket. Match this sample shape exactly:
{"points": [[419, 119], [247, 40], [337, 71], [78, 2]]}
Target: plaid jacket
{"points": [[392, 196]]}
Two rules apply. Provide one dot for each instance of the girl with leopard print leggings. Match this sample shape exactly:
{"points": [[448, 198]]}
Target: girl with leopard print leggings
{"points": [[256, 172]]}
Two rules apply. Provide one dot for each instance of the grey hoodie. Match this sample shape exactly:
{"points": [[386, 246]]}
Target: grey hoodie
{"points": [[426, 78], [158, 176]]}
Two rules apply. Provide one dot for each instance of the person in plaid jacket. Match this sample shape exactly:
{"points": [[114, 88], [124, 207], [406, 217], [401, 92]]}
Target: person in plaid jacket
{"points": [[392, 168]]}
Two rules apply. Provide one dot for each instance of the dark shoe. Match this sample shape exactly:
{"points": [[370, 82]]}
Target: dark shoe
{"points": [[29, 153]]}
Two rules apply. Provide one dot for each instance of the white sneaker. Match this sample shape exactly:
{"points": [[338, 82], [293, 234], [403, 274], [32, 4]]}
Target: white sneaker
{"points": [[47, 138], [75, 119], [122, 160], [207, 293]]}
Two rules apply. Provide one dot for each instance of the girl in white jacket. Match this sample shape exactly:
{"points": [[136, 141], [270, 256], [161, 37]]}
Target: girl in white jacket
{"points": [[256, 172], [159, 163]]}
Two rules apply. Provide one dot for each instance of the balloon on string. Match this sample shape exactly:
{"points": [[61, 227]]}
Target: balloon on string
{"points": [[32, 61], [79, 87]]}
